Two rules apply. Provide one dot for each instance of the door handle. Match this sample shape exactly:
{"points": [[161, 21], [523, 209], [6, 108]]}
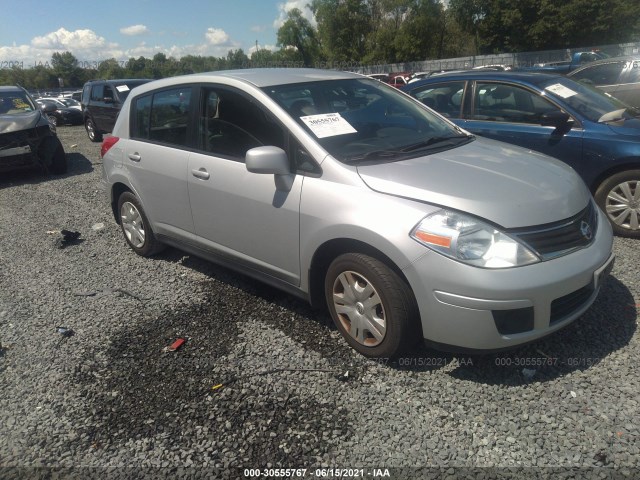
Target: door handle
{"points": [[201, 173], [135, 157]]}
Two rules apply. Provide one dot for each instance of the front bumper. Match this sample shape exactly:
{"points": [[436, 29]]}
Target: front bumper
{"points": [[472, 308]]}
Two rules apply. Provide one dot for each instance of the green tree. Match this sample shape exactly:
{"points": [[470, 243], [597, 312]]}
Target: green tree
{"points": [[65, 66], [343, 26], [110, 69], [297, 32]]}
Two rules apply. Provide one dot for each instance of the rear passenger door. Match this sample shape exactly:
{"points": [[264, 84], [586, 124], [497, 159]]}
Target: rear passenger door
{"points": [[237, 214], [156, 157], [102, 101]]}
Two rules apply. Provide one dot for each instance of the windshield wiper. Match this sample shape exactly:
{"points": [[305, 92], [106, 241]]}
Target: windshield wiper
{"points": [[373, 154], [434, 141]]}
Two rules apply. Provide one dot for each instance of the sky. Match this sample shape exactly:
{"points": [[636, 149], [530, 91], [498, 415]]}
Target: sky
{"points": [[32, 30]]}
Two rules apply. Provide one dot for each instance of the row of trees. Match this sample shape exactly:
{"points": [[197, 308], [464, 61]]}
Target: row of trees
{"points": [[350, 33]]}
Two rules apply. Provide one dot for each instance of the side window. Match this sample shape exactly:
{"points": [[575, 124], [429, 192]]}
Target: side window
{"points": [[445, 98], [142, 109], [633, 72], [169, 116], [604, 74], [231, 124], [108, 93], [508, 103], [97, 93]]}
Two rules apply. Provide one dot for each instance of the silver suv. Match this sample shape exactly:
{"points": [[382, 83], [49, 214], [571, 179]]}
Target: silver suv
{"points": [[346, 192]]}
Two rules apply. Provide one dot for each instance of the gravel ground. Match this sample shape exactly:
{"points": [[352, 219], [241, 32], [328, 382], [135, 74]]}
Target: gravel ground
{"points": [[293, 394]]}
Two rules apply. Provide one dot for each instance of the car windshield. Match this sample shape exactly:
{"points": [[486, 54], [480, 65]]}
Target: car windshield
{"points": [[594, 104], [70, 102], [364, 120], [124, 88], [12, 103]]}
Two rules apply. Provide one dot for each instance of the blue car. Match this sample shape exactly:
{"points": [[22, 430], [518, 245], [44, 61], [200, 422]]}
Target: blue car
{"points": [[593, 132]]}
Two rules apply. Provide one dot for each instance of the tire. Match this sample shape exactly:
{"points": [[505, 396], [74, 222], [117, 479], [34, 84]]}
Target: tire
{"points": [[92, 131], [373, 308], [59, 163], [54, 120], [135, 226], [619, 197]]}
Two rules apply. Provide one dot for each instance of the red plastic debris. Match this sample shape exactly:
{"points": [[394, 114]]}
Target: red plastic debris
{"points": [[175, 345]]}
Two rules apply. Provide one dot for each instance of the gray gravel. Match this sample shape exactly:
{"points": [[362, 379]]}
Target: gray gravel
{"points": [[293, 394]]}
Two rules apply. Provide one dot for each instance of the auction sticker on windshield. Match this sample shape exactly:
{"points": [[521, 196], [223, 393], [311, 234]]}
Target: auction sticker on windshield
{"points": [[122, 88], [328, 125], [561, 90]]}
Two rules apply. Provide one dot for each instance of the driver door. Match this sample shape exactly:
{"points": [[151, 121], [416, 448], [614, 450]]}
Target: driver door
{"points": [[237, 214]]}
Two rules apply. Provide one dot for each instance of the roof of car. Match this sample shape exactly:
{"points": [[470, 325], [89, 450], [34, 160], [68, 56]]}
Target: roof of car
{"points": [[259, 77], [529, 77], [624, 58], [10, 88]]}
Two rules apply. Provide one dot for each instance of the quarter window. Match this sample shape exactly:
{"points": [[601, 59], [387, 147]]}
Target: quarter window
{"points": [[163, 117]]}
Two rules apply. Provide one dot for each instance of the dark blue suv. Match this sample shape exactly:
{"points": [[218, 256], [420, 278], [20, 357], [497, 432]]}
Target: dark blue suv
{"points": [[593, 132]]}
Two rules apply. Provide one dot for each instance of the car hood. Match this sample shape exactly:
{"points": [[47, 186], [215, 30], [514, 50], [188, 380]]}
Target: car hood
{"points": [[19, 121], [507, 185], [630, 128]]}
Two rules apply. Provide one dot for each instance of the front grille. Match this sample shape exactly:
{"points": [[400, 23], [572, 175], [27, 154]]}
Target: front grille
{"points": [[22, 137], [565, 306], [560, 238]]}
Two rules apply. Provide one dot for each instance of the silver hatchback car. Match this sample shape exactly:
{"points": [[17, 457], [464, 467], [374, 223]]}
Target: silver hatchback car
{"points": [[346, 192]]}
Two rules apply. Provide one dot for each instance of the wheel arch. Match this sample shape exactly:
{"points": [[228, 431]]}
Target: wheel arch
{"points": [[118, 189], [624, 164], [333, 248]]}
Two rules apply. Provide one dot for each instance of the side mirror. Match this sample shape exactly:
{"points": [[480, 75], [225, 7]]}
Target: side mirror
{"points": [[555, 118], [48, 107], [271, 160]]}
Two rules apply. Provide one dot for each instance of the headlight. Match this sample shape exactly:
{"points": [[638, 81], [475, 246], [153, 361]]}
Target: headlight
{"points": [[471, 241]]}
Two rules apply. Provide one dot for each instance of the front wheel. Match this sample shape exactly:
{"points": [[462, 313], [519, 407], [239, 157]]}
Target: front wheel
{"points": [[373, 308], [59, 163], [135, 226], [619, 197]]}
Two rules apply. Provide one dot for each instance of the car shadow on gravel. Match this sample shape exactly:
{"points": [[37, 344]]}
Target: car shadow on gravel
{"points": [[140, 392], [295, 317], [78, 165], [606, 328]]}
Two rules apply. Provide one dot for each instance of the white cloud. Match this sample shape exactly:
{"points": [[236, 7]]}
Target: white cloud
{"points": [[90, 48], [134, 30], [63, 39], [84, 44], [216, 36], [284, 9]]}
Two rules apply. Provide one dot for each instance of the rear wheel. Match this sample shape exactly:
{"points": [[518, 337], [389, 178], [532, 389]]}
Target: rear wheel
{"points": [[373, 308], [619, 197], [92, 132], [135, 226]]}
